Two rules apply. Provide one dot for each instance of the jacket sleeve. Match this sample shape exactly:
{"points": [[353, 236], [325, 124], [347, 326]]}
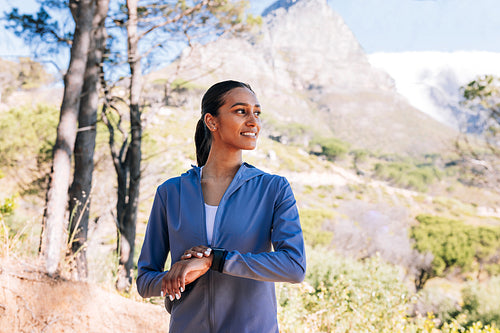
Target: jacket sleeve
{"points": [[288, 261], [154, 251]]}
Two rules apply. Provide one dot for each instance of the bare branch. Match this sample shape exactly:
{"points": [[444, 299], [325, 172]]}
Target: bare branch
{"points": [[176, 18]]}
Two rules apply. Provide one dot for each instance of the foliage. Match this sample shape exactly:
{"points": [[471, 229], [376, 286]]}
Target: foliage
{"points": [[24, 74], [26, 132], [483, 96], [42, 29], [482, 112], [438, 300], [332, 148], [428, 325], [312, 221], [13, 235], [455, 244], [344, 295], [407, 175], [482, 301]]}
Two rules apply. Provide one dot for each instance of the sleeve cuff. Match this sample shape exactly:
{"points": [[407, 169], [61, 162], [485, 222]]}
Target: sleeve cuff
{"points": [[218, 260]]}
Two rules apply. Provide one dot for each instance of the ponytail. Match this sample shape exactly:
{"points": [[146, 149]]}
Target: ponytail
{"points": [[203, 141], [211, 102]]}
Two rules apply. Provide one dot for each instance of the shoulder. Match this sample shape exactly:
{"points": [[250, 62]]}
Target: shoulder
{"points": [[265, 178], [174, 183]]}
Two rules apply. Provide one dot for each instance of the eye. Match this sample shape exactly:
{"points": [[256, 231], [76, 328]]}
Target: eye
{"points": [[240, 111], [257, 113]]}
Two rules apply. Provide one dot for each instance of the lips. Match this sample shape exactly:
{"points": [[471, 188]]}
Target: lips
{"points": [[249, 134]]}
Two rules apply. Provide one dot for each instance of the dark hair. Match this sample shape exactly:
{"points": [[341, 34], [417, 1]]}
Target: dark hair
{"points": [[211, 102]]}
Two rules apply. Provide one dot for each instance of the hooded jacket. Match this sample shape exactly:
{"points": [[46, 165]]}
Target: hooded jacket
{"points": [[257, 223]]}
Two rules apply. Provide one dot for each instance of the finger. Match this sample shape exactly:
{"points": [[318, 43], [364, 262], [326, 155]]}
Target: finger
{"points": [[199, 251], [174, 281], [163, 287], [169, 286], [182, 282], [194, 253], [186, 256], [165, 292], [178, 292]]}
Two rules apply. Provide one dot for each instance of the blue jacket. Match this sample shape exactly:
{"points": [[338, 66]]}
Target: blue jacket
{"points": [[256, 214]]}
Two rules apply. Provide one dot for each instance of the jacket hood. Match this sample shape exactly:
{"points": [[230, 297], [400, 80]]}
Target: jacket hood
{"points": [[244, 174]]}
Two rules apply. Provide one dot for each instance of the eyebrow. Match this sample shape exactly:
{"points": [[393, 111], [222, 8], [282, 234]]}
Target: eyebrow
{"points": [[243, 104]]}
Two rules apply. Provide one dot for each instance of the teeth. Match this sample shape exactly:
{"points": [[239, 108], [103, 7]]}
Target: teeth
{"points": [[249, 134]]}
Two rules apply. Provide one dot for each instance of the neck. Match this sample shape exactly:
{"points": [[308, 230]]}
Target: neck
{"points": [[221, 165]]}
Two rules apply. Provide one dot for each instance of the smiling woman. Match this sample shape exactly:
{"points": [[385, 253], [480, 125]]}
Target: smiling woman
{"points": [[232, 229]]}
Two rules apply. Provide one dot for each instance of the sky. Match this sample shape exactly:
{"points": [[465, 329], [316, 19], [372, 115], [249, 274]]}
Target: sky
{"points": [[379, 25], [419, 25]]}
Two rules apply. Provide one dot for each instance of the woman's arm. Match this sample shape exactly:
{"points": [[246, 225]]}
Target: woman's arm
{"points": [[183, 273], [288, 261], [154, 251]]}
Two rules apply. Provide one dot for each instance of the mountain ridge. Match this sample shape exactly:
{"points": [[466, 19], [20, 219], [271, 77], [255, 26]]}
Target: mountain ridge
{"points": [[307, 67]]}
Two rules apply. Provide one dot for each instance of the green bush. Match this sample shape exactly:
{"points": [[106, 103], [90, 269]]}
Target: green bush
{"points": [[344, 295], [27, 133], [482, 302], [407, 175], [332, 148], [455, 244], [312, 221]]}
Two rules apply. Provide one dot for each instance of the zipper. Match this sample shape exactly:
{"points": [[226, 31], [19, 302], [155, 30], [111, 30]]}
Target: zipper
{"points": [[211, 291], [211, 305], [210, 288]]}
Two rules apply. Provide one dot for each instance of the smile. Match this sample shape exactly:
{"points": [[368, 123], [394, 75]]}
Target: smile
{"points": [[250, 134]]}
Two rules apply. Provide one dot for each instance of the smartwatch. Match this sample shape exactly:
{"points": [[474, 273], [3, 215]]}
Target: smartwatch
{"points": [[219, 259]]}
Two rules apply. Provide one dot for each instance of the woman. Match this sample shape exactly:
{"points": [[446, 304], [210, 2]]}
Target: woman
{"points": [[221, 221]]}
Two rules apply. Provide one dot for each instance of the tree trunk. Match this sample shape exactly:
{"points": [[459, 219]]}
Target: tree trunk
{"points": [[128, 219], [57, 196], [80, 190]]}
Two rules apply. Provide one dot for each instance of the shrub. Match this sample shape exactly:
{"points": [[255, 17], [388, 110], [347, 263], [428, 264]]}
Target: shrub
{"points": [[455, 244], [312, 221], [407, 175], [332, 148], [443, 305], [26, 132], [482, 302], [344, 295]]}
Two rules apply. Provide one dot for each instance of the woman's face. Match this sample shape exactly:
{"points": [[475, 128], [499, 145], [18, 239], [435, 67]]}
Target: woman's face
{"points": [[238, 124]]}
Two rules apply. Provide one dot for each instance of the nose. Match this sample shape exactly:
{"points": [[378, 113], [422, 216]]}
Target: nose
{"points": [[253, 120]]}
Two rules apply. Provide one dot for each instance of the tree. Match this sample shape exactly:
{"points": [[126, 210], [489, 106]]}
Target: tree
{"points": [[43, 29], [481, 152], [57, 194], [80, 190]]}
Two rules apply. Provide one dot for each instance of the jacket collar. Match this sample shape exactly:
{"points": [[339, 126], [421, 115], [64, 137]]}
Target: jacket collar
{"points": [[244, 174]]}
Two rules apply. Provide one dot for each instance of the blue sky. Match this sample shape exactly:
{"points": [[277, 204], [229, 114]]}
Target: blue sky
{"points": [[379, 25], [419, 25]]}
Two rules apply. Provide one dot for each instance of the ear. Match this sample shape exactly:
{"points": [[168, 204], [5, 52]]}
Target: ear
{"points": [[211, 122]]}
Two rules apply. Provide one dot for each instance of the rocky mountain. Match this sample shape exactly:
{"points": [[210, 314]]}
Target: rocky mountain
{"points": [[307, 68]]}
